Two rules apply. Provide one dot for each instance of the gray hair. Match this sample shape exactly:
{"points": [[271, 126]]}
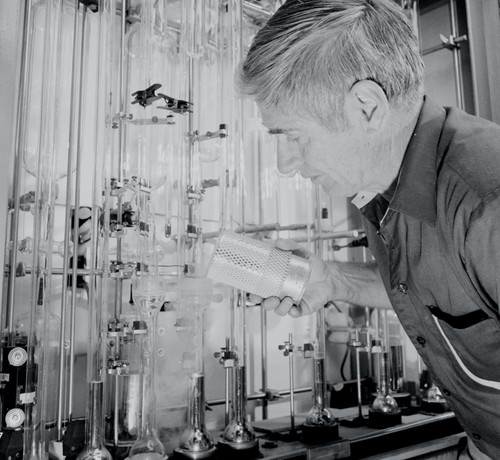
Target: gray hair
{"points": [[311, 52]]}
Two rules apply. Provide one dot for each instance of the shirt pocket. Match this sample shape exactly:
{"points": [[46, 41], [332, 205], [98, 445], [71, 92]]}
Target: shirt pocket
{"points": [[474, 339]]}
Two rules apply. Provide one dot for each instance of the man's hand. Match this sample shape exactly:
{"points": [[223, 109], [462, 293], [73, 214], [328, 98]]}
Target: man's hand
{"points": [[319, 290]]}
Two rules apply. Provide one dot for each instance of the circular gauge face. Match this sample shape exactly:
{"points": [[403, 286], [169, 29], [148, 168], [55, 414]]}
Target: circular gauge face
{"points": [[14, 418], [17, 356]]}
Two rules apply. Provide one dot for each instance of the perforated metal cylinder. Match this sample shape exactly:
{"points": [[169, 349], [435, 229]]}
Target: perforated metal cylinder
{"points": [[258, 268]]}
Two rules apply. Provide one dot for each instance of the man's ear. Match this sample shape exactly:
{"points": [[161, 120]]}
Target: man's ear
{"points": [[366, 104]]}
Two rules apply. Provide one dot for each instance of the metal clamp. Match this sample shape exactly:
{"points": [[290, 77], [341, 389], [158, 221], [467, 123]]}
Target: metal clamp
{"points": [[220, 133], [452, 42], [226, 356], [287, 347], [307, 351]]}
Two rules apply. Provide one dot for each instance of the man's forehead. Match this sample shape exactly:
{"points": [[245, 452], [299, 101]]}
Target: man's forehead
{"points": [[275, 121], [267, 115]]}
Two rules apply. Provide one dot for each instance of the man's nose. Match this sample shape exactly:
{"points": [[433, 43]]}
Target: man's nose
{"points": [[289, 158]]}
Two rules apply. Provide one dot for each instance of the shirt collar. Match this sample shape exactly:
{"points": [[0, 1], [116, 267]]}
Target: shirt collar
{"points": [[363, 198], [415, 192]]}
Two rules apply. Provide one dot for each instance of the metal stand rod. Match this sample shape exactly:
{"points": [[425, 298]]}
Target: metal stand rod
{"points": [[292, 398], [358, 384], [263, 345], [287, 348]]}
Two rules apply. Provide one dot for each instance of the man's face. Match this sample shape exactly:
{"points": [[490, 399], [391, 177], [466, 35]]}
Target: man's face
{"points": [[338, 162]]}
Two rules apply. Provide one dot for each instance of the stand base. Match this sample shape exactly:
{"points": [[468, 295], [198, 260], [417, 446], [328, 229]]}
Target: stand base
{"points": [[433, 406], [181, 454], [354, 423], [403, 399], [74, 438], [228, 451], [317, 434], [383, 419]]}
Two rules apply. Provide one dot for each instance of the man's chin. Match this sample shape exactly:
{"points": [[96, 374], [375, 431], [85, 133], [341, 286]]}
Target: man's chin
{"points": [[334, 192]]}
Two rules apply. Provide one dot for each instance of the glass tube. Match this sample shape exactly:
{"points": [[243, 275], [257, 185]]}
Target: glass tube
{"points": [[384, 411], [124, 381], [94, 448], [33, 444], [149, 293], [234, 116], [384, 402], [194, 40], [194, 297], [74, 212], [239, 434], [319, 415], [47, 17], [72, 150]]}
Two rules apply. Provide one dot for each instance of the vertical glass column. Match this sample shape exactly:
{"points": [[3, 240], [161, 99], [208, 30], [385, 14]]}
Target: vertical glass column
{"points": [[149, 293], [194, 297], [238, 439], [319, 415], [25, 313], [384, 411], [94, 443], [320, 424], [16, 358]]}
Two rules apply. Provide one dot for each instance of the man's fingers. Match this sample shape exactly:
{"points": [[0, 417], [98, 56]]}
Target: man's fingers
{"points": [[270, 303], [254, 299], [295, 311], [290, 245], [284, 307], [286, 245]]}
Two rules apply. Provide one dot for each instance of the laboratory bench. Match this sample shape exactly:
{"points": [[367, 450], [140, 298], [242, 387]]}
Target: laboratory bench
{"points": [[423, 436]]}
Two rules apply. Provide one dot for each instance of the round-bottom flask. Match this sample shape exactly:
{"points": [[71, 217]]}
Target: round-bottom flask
{"points": [[238, 439], [384, 411], [320, 425]]}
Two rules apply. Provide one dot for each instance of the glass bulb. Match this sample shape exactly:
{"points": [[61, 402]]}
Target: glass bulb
{"points": [[319, 416], [385, 404]]}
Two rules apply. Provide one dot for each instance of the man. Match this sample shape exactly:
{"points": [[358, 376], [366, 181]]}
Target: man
{"points": [[340, 83]]}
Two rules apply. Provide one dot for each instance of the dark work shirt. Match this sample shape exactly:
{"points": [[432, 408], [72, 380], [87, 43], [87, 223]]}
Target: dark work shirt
{"points": [[436, 240]]}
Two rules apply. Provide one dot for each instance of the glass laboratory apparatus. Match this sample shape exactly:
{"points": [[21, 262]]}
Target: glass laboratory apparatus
{"points": [[149, 293], [238, 439], [320, 425], [195, 290], [432, 400], [384, 411], [141, 134], [85, 223], [194, 297], [39, 308], [106, 92], [94, 448]]}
